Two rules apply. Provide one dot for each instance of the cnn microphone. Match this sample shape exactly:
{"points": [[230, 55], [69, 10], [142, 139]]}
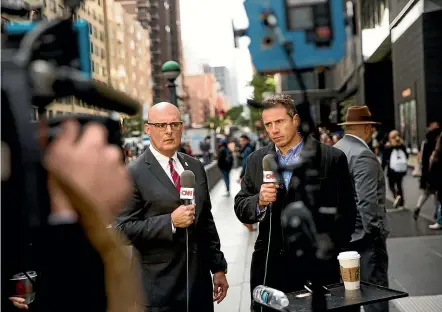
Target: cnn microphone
{"points": [[187, 180], [270, 169]]}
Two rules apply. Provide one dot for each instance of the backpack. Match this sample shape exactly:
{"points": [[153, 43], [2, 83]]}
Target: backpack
{"points": [[398, 161]]}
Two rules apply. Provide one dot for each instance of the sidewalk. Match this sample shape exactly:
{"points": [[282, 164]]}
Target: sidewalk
{"points": [[237, 244]]}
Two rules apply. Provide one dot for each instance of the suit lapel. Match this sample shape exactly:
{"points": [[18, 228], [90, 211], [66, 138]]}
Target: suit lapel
{"points": [[158, 172]]}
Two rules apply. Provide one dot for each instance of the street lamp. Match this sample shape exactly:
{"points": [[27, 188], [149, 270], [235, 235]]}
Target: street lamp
{"points": [[171, 71]]}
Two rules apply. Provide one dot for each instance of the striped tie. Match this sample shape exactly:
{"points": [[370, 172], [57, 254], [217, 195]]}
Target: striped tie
{"points": [[175, 175]]}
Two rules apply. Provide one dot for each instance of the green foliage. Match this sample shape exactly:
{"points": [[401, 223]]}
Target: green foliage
{"points": [[131, 124], [261, 84], [345, 105]]}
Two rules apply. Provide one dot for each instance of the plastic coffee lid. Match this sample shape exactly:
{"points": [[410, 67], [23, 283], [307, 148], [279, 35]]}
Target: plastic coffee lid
{"points": [[349, 255]]}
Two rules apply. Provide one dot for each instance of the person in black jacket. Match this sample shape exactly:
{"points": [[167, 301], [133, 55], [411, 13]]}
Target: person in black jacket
{"points": [[427, 148], [273, 263], [225, 163], [435, 182], [395, 159]]}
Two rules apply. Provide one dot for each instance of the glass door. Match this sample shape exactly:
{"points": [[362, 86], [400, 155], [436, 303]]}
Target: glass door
{"points": [[408, 125]]}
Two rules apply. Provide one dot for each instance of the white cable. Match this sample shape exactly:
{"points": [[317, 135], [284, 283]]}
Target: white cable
{"points": [[187, 270], [268, 248]]}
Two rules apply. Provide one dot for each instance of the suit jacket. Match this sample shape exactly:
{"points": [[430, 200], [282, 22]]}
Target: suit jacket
{"points": [[368, 178], [146, 221], [285, 271]]}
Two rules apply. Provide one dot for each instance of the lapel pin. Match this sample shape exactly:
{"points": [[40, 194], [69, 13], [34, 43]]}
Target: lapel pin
{"points": [[186, 164]]}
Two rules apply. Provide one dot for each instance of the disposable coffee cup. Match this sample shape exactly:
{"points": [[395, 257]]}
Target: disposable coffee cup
{"points": [[22, 287], [349, 263]]}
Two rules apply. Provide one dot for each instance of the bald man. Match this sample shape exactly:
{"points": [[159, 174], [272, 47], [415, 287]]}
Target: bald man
{"points": [[155, 221]]}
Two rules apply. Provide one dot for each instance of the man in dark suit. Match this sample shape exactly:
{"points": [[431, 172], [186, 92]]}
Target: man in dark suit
{"points": [[273, 263], [155, 222]]}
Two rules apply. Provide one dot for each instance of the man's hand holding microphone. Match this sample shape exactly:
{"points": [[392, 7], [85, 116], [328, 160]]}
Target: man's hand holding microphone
{"points": [[183, 216], [269, 189]]}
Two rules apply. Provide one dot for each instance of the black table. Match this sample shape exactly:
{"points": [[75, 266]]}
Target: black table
{"points": [[341, 300]]}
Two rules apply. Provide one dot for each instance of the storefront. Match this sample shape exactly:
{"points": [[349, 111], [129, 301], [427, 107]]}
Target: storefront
{"points": [[408, 121], [416, 45]]}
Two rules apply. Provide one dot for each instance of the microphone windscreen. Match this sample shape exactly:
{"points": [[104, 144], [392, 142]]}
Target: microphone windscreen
{"points": [[187, 179], [269, 163], [270, 169]]}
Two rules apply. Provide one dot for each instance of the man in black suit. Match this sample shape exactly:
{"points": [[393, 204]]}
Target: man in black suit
{"points": [[155, 222], [273, 264]]}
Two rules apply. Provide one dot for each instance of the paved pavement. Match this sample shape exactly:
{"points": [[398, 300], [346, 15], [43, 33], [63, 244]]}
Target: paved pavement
{"points": [[415, 254]]}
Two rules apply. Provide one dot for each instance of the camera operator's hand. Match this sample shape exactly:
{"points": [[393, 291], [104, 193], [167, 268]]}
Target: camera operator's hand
{"points": [[267, 194], [87, 167], [19, 303], [183, 216]]}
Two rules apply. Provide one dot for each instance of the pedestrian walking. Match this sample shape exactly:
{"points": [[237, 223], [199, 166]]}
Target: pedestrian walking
{"points": [[395, 160], [225, 163], [428, 146], [435, 182]]}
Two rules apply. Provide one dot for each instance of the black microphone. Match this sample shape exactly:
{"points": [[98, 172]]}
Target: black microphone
{"points": [[270, 169], [187, 191]]}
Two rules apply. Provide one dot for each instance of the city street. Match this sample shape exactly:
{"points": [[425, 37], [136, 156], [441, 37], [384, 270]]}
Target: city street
{"points": [[415, 253]]}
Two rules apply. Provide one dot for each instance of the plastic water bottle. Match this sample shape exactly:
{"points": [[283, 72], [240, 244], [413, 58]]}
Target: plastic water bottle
{"points": [[270, 297]]}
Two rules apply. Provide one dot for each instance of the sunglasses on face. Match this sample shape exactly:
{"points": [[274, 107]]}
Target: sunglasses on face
{"points": [[163, 125]]}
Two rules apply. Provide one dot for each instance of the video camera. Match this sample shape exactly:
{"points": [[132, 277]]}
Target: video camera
{"points": [[41, 61]]}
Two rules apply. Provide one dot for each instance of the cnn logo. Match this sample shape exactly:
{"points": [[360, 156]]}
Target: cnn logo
{"points": [[269, 177], [186, 193]]}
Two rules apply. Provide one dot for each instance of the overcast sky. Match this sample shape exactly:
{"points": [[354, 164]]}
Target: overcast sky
{"points": [[206, 29]]}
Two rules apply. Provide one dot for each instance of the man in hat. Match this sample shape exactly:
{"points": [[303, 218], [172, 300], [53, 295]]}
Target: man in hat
{"points": [[371, 229]]}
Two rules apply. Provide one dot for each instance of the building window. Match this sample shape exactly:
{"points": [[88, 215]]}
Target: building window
{"points": [[167, 28], [91, 29], [102, 54], [92, 48], [60, 9], [93, 66], [99, 2]]}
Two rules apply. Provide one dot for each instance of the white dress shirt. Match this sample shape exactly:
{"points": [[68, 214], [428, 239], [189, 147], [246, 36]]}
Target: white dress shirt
{"points": [[164, 163]]}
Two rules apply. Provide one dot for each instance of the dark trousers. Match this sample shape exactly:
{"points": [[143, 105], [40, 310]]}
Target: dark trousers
{"points": [[374, 267], [226, 178], [395, 183]]}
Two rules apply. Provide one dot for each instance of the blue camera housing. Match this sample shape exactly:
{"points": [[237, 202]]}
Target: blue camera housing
{"points": [[81, 28], [305, 54]]}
